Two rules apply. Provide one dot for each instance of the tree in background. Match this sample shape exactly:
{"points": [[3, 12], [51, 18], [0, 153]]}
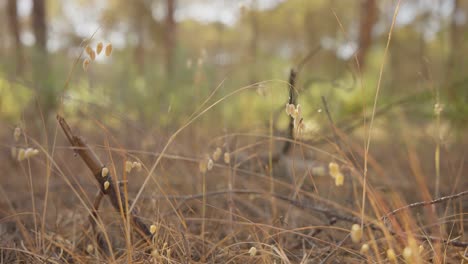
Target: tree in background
{"points": [[170, 37], [14, 26], [43, 81], [368, 18]]}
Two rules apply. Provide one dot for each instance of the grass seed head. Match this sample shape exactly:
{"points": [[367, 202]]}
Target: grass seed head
{"points": [[155, 253], [210, 164], [99, 48], [104, 172], [29, 152], [108, 50], [203, 166], [88, 50], [438, 108], [106, 185], [90, 249], [253, 251], [137, 165], [86, 63], [335, 173], [391, 254], [217, 154], [14, 152], [128, 166], [408, 254], [227, 158], [92, 55], [298, 111], [356, 233], [17, 134], [290, 109], [339, 179], [153, 229], [21, 155], [364, 248], [333, 169]]}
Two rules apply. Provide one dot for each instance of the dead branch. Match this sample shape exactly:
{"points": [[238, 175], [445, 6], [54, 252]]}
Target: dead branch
{"points": [[114, 192], [292, 100], [426, 203]]}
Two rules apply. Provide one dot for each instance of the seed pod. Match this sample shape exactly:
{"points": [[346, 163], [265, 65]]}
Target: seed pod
{"points": [[356, 233], [217, 154], [364, 248], [339, 179], [108, 50], [128, 166], [210, 164], [391, 254], [227, 158], [408, 254], [106, 185], [153, 229], [90, 249], [88, 50], [21, 155], [99, 48], [17, 134], [14, 152], [203, 166], [92, 55], [86, 63], [28, 153], [253, 251], [104, 172]]}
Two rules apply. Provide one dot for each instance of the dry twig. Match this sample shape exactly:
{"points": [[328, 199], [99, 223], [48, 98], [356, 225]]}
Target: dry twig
{"points": [[113, 191]]}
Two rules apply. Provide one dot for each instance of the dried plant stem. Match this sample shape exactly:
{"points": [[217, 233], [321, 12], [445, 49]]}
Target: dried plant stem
{"points": [[203, 210], [426, 203], [332, 124], [113, 191]]}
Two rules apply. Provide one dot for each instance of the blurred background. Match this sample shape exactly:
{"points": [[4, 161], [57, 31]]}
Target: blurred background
{"points": [[170, 54]]}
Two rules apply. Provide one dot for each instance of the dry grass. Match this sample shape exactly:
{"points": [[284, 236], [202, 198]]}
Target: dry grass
{"points": [[289, 209], [268, 204]]}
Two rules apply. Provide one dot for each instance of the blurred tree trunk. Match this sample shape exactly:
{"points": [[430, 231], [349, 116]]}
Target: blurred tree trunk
{"points": [[14, 27], [139, 25], [454, 57], [40, 58], [368, 16], [43, 81], [170, 37], [253, 46], [39, 25]]}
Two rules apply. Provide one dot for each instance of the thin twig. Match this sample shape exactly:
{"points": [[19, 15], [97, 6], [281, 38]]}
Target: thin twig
{"points": [[332, 124], [426, 203]]}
